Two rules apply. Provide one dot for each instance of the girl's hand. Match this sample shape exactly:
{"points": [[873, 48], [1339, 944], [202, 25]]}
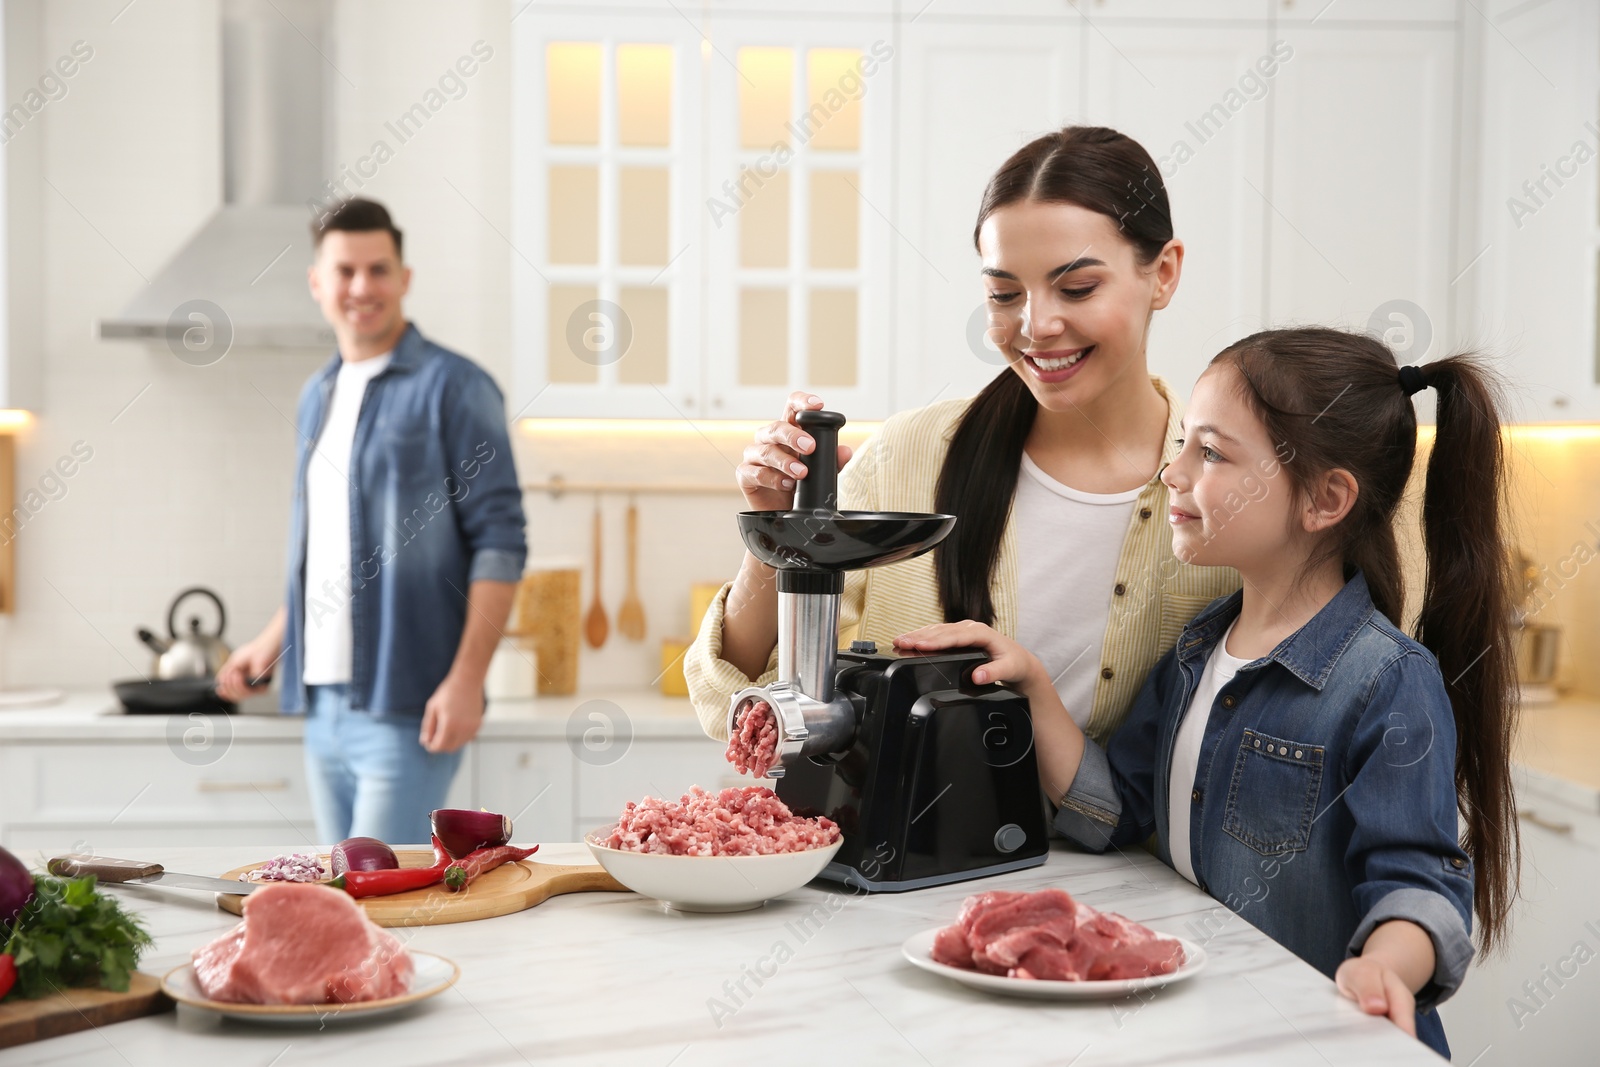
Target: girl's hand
{"points": [[1008, 661], [779, 456], [1378, 990]]}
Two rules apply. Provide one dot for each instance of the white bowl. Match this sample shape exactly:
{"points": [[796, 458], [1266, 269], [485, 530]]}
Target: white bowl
{"points": [[710, 883]]}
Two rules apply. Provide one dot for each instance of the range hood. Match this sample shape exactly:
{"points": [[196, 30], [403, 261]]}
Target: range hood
{"points": [[249, 258]]}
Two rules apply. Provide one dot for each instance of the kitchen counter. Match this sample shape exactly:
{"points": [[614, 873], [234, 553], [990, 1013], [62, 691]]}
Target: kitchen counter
{"points": [[96, 715], [614, 979], [1558, 752]]}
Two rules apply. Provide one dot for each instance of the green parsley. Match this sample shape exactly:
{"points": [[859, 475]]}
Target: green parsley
{"points": [[72, 935]]}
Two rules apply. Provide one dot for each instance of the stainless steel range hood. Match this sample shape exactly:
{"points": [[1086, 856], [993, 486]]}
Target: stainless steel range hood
{"points": [[249, 258]]}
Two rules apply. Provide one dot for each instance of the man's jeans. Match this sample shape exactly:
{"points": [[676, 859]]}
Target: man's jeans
{"points": [[371, 777]]}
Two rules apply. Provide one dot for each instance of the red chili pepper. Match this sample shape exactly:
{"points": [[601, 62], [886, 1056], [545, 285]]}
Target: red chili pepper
{"points": [[461, 873], [8, 975], [396, 880]]}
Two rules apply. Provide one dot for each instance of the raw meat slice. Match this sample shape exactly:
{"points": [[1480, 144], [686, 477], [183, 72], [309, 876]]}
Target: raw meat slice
{"points": [[1049, 936], [950, 948], [302, 944], [753, 746]]}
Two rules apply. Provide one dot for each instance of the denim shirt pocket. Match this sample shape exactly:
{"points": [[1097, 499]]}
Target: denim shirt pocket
{"points": [[1272, 798]]}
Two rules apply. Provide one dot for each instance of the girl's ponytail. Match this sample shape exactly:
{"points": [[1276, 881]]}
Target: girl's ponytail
{"points": [[1466, 623]]}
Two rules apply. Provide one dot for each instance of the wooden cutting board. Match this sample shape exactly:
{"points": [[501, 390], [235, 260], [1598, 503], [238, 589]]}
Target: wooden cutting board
{"points": [[513, 887], [72, 1010]]}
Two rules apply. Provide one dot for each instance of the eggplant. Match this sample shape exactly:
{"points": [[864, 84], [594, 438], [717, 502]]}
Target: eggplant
{"points": [[464, 832], [16, 890], [363, 854]]}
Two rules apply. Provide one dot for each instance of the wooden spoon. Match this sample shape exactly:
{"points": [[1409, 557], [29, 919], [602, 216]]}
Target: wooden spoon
{"points": [[630, 618], [595, 626]]}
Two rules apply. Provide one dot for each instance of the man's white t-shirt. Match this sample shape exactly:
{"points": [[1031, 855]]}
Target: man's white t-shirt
{"points": [[1220, 669], [328, 636], [1069, 543]]}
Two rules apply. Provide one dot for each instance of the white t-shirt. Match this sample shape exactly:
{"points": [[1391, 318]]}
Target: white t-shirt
{"points": [[326, 655], [1069, 543], [1220, 669]]}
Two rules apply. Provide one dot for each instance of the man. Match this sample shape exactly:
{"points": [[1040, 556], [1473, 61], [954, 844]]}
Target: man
{"points": [[406, 543]]}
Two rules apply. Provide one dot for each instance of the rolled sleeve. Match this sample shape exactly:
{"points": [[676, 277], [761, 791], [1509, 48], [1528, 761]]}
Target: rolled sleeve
{"points": [[478, 451], [1452, 945], [712, 679], [495, 565], [1403, 856], [1091, 809]]}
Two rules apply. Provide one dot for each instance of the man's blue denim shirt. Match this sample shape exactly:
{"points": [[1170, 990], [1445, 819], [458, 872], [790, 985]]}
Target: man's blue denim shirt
{"points": [[434, 506], [1325, 798]]}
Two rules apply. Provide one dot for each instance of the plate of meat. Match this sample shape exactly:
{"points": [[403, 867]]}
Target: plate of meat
{"points": [[306, 954], [1047, 946]]}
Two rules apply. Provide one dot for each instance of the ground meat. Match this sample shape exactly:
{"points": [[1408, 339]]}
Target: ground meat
{"points": [[735, 822], [753, 748], [1048, 935]]}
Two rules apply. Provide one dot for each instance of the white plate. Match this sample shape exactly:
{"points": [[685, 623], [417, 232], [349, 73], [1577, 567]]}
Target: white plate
{"points": [[918, 948], [431, 975]]}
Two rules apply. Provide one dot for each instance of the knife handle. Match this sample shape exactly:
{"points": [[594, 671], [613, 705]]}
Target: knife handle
{"points": [[102, 867]]}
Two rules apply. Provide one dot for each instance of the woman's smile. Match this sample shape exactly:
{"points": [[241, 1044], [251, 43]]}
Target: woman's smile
{"points": [[1056, 365]]}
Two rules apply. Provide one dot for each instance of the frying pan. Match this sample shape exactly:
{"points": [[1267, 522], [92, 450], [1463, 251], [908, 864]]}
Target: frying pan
{"points": [[168, 695]]}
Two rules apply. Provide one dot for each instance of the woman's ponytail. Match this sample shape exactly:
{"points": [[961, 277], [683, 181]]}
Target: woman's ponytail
{"points": [[1466, 623]]}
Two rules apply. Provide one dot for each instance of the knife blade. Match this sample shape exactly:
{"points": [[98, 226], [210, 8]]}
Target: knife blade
{"points": [[136, 872]]}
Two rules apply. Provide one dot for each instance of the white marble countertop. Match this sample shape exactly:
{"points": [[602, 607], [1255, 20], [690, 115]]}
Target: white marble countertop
{"points": [[95, 715], [613, 979]]}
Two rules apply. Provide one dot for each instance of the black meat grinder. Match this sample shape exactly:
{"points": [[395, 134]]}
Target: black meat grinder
{"points": [[931, 778]]}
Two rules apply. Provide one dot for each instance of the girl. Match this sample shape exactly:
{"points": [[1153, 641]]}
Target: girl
{"points": [[1051, 468], [1296, 755]]}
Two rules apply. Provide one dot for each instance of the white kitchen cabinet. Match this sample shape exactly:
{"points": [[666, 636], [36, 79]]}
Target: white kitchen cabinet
{"points": [[531, 781], [1199, 99], [1536, 1003], [670, 258], [658, 768], [1534, 285], [607, 240], [1362, 178], [973, 92], [22, 60]]}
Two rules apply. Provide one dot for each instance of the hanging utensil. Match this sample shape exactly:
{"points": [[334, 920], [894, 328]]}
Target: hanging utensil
{"points": [[595, 626], [630, 618]]}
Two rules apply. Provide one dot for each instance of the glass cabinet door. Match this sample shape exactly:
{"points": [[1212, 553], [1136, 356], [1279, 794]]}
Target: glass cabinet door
{"points": [[797, 214], [605, 244]]}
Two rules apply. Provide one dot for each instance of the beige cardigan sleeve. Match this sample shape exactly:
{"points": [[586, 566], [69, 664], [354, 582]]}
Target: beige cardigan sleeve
{"points": [[712, 679]]}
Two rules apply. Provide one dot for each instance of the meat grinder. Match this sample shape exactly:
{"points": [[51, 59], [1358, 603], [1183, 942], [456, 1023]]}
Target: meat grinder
{"points": [[932, 779]]}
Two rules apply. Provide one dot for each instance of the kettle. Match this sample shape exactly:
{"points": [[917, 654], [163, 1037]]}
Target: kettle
{"points": [[192, 654]]}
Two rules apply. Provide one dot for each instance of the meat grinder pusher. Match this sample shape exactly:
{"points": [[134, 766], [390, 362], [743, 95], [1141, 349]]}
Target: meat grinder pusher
{"points": [[932, 779]]}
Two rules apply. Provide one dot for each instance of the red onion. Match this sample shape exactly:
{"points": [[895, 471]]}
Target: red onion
{"points": [[16, 889], [464, 832], [363, 854]]}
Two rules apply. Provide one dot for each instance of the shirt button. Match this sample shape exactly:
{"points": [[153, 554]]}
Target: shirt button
{"points": [[1120, 589], [1458, 863], [1229, 701], [1144, 513], [1195, 796], [1105, 672]]}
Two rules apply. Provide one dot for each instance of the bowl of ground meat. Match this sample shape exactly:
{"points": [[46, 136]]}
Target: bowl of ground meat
{"points": [[731, 850]]}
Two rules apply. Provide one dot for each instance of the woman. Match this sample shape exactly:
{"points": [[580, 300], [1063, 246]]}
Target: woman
{"points": [[1060, 540]]}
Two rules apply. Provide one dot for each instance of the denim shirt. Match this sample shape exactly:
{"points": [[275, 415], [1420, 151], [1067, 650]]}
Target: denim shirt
{"points": [[435, 505], [1324, 800]]}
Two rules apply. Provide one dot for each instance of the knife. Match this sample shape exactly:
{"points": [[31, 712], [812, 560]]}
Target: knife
{"points": [[133, 872]]}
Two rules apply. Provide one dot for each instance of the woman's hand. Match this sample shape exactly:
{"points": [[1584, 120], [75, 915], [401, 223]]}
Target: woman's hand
{"points": [[1008, 662], [774, 461], [1378, 990]]}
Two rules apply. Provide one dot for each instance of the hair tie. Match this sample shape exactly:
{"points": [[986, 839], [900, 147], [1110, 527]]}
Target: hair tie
{"points": [[1412, 379]]}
